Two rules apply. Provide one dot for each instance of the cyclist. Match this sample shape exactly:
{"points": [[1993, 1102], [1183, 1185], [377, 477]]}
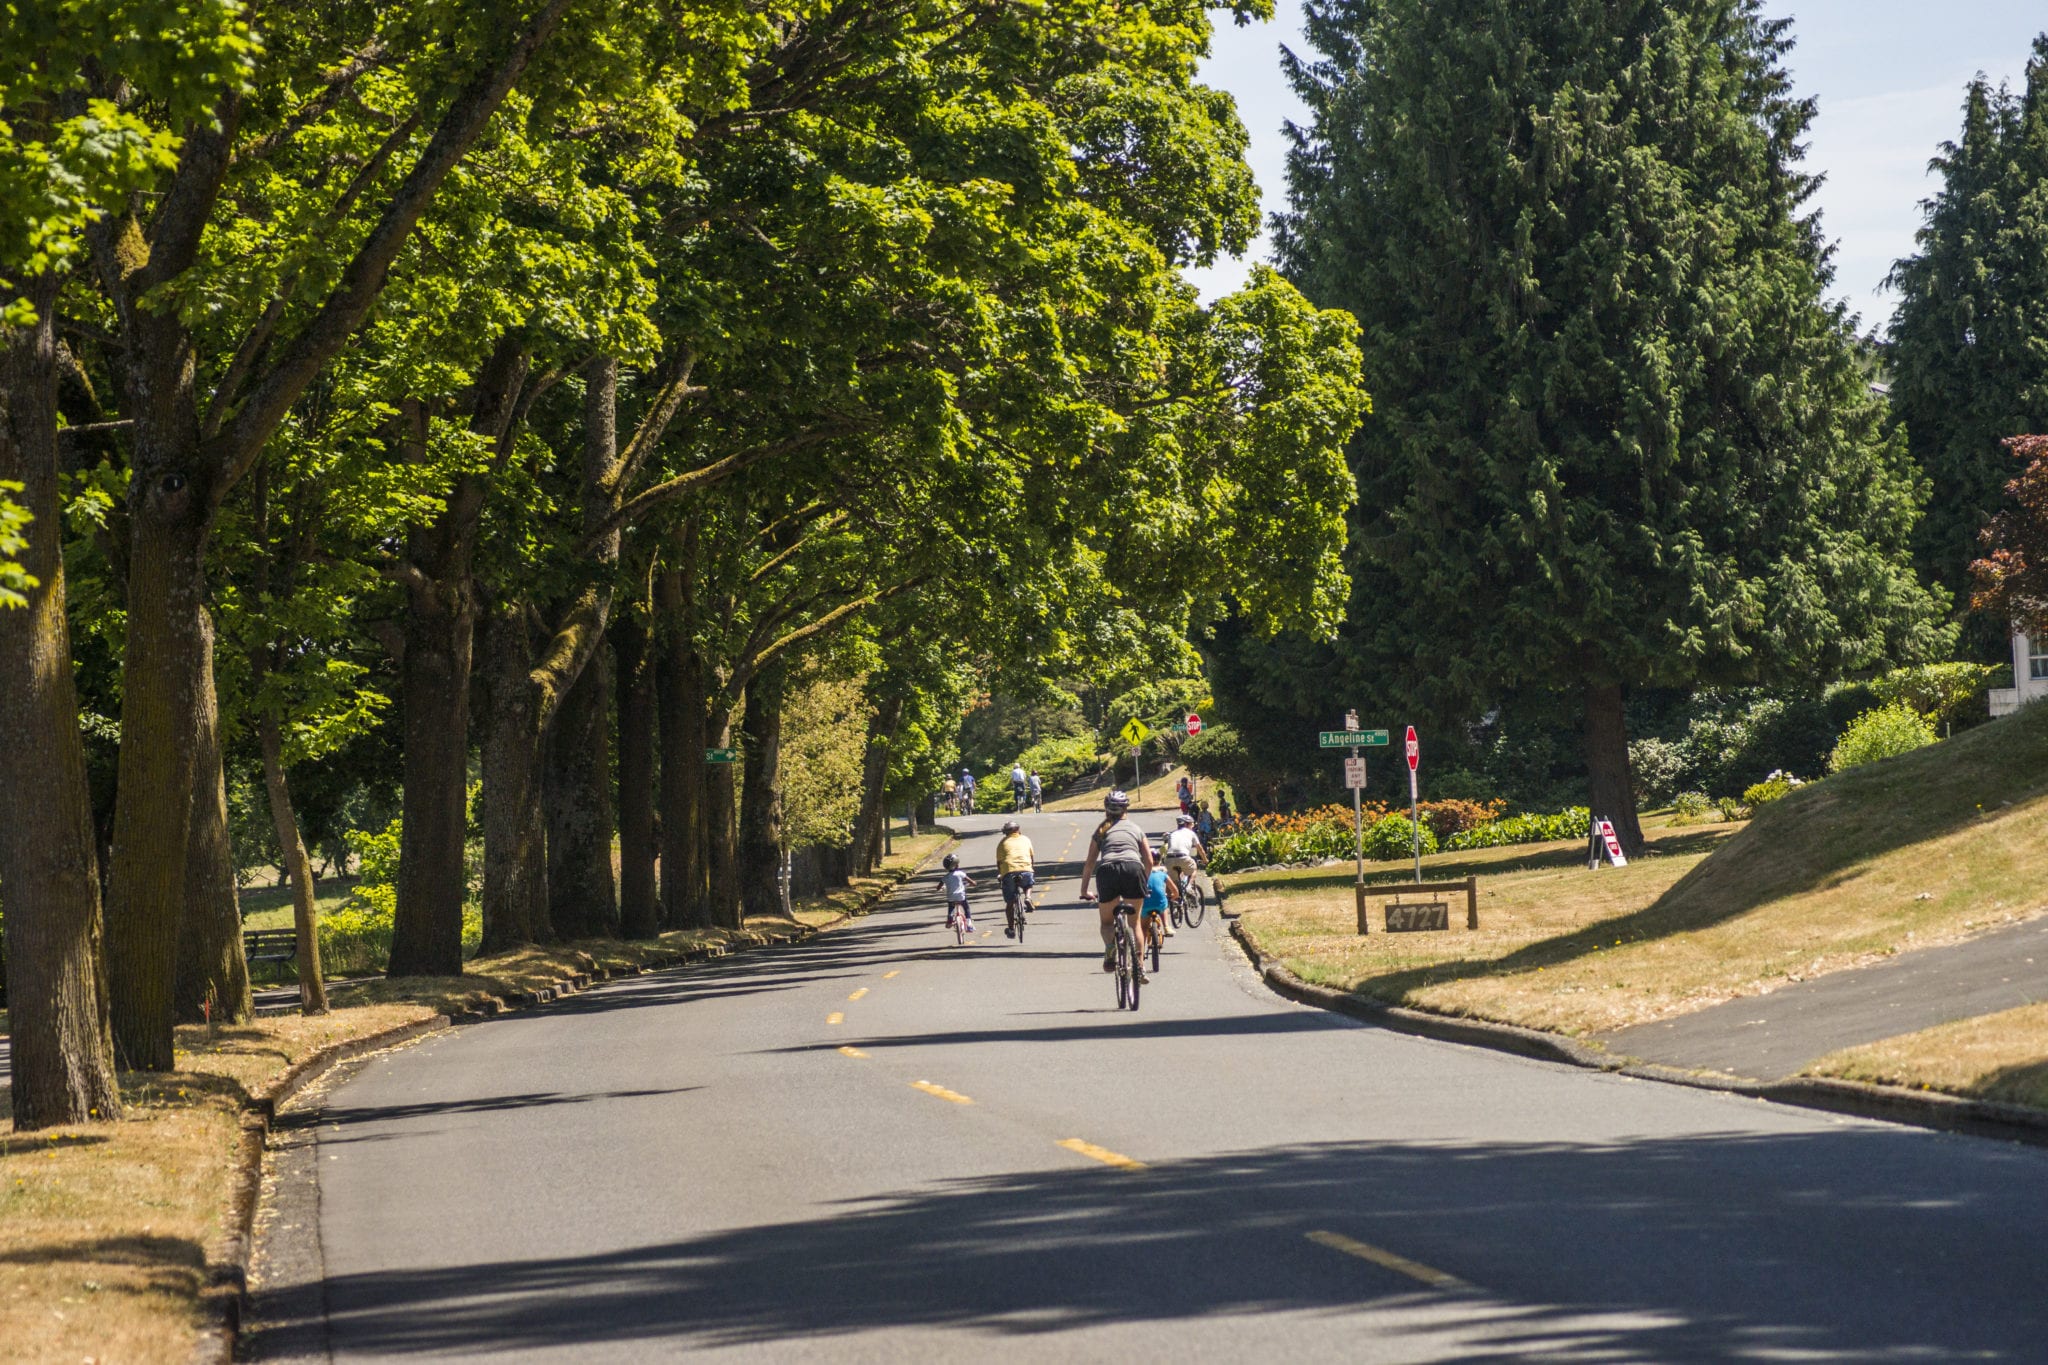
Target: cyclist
{"points": [[1184, 851], [1037, 793], [1018, 787], [952, 797], [967, 791], [957, 884], [1119, 859], [1014, 869], [1154, 911]]}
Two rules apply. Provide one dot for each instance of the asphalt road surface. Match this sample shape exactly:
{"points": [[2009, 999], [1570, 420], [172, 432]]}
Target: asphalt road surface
{"points": [[882, 1146]]}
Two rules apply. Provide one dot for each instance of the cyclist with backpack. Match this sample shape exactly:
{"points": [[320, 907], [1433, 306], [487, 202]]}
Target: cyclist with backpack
{"points": [[1119, 860]]}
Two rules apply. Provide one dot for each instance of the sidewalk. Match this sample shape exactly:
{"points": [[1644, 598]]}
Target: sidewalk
{"points": [[1769, 1037]]}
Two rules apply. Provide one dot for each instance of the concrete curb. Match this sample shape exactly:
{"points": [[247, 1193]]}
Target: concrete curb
{"points": [[1859, 1099]]}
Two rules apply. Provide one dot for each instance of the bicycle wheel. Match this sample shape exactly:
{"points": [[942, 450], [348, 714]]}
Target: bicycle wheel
{"points": [[1191, 903], [959, 930], [1155, 938], [1123, 970], [1137, 964]]}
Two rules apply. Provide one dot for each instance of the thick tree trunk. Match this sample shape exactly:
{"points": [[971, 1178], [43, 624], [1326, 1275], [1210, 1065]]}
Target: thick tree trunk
{"points": [[298, 868], [720, 836], [1614, 795], [760, 829], [515, 842], [639, 909], [63, 1051], [873, 819], [213, 972], [582, 892], [163, 680], [439, 632]]}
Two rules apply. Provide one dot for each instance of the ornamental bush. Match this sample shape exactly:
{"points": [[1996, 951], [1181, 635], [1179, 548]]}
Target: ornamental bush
{"points": [[1393, 837], [1884, 732], [1574, 823], [1776, 787]]}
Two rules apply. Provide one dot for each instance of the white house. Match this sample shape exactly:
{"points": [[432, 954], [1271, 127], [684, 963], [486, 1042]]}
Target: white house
{"points": [[2030, 676]]}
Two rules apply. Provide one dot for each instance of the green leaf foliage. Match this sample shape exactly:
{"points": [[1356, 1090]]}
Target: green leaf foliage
{"points": [[1884, 732]]}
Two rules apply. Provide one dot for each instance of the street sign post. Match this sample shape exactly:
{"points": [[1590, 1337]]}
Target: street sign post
{"points": [[1414, 747], [1354, 772], [721, 755], [1355, 739], [1351, 739]]}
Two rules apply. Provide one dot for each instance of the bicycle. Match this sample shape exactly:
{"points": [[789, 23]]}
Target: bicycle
{"points": [[960, 918], [1155, 935], [1015, 908], [1185, 896], [1127, 968]]}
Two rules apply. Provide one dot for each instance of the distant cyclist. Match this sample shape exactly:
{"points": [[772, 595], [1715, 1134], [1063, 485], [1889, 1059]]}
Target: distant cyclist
{"points": [[957, 885], [1020, 788], [1184, 851], [967, 791], [1014, 867], [1119, 859], [1037, 793], [952, 792]]}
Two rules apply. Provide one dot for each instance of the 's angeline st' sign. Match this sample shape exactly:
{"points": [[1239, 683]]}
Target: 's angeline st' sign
{"points": [[1355, 739]]}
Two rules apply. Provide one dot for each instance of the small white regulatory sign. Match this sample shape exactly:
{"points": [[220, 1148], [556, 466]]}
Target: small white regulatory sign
{"points": [[1354, 772], [1614, 853]]}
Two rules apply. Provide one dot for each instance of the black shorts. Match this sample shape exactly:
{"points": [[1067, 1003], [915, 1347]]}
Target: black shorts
{"points": [[1119, 880]]}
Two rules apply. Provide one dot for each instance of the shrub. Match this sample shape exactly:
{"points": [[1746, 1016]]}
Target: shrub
{"points": [[1773, 788], [1574, 823], [1393, 837], [1884, 732], [1058, 762], [1690, 806], [1731, 809], [1943, 693], [356, 939], [1449, 818]]}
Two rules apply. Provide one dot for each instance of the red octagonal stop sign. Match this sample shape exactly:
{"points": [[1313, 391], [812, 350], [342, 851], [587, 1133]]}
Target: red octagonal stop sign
{"points": [[1414, 750], [1194, 724]]}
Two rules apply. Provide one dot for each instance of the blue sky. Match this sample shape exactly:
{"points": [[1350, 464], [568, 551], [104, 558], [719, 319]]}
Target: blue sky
{"points": [[1889, 75]]}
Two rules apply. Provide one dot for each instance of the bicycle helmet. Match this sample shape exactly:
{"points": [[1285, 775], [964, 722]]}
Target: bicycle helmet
{"points": [[952, 861], [1011, 826], [1183, 819], [1117, 801]]}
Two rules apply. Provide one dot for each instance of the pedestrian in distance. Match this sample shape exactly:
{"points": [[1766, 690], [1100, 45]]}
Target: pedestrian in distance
{"points": [[1019, 788], [1205, 823], [1037, 793]]}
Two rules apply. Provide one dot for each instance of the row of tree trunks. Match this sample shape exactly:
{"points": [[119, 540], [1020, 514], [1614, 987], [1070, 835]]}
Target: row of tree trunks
{"points": [[760, 828], [633, 677], [63, 1054]]}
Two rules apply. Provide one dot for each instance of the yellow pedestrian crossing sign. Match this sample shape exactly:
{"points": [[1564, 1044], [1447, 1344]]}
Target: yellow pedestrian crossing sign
{"points": [[1135, 732]]}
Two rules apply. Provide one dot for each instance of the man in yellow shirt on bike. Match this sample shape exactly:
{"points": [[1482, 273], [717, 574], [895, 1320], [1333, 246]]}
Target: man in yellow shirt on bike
{"points": [[1014, 869]]}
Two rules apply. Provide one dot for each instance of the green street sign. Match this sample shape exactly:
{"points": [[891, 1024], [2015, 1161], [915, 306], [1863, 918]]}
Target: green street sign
{"points": [[721, 755], [1355, 739]]}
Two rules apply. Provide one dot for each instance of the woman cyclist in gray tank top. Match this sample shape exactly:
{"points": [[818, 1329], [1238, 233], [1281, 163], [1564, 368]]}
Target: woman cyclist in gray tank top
{"points": [[1119, 859]]}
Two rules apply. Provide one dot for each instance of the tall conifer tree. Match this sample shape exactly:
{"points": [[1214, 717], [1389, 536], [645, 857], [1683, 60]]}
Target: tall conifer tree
{"points": [[1969, 343], [1620, 438]]}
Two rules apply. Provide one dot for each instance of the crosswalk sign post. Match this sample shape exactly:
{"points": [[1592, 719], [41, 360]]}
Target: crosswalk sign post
{"points": [[1135, 733]]}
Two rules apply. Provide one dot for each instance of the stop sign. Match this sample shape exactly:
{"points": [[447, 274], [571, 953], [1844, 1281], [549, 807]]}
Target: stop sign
{"points": [[1414, 750], [1194, 724]]}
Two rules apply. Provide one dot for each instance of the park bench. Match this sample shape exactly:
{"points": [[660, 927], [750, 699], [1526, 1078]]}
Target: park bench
{"points": [[271, 945]]}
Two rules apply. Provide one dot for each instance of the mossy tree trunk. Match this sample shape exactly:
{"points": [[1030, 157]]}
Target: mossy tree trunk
{"points": [[63, 1052], [212, 980], [582, 892], [298, 868], [759, 839], [633, 678]]}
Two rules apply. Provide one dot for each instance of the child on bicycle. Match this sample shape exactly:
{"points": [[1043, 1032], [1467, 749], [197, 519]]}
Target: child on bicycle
{"points": [[1153, 911], [957, 885]]}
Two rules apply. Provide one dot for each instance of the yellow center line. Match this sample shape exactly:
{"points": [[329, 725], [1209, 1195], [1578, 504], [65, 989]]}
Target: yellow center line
{"points": [[835, 1017], [1379, 1256], [858, 994], [853, 1052], [887, 975], [1102, 1154], [951, 1096]]}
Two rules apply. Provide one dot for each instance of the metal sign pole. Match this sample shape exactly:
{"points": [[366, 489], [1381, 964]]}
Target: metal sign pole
{"points": [[1414, 819]]}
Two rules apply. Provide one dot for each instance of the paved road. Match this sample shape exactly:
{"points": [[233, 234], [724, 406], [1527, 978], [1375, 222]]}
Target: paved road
{"points": [[879, 1146], [1766, 1037]]}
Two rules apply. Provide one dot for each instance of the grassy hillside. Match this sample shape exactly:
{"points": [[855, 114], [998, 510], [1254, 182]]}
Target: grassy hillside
{"points": [[1919, 850]]}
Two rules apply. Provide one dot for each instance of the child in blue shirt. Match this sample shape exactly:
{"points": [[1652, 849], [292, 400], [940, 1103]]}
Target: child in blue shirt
{"points": [[1154, 908]]}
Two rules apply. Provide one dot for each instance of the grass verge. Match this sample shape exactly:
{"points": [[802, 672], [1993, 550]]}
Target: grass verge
{"points": [[1928, 848], [2001, 1056], [107, 1229]]}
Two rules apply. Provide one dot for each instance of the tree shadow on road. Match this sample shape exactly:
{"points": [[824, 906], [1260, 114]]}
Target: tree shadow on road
{"points": [[1844, 1242]]}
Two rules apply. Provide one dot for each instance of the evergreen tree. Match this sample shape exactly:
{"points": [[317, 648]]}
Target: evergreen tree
{"points": [[1619, 439], [1969, 343]]}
